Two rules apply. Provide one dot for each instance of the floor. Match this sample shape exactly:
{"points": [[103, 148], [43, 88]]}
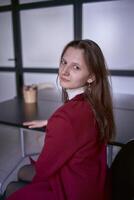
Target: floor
{"points": [[10, 151]]}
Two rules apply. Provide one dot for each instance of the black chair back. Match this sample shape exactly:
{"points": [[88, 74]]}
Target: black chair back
{"points": [[122, 171]]}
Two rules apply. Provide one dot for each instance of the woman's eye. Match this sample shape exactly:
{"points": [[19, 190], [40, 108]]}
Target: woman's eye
{"points": [[76, 67], [63, 62]]}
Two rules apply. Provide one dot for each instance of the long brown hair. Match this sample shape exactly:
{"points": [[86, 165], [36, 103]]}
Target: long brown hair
{"points": [[98, 92]]}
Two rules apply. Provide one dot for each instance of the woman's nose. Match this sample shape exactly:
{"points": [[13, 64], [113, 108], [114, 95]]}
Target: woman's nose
{"points": [[66, 70]]}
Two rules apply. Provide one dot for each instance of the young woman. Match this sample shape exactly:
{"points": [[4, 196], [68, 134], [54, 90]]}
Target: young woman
{"points": [[72, 164]]}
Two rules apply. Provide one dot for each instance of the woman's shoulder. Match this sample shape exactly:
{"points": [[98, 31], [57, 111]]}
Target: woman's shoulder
{"points": [[78, 107], [78, 114]]}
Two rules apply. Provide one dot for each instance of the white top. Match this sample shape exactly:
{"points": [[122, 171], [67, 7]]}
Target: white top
{"points": [[73, 92]]}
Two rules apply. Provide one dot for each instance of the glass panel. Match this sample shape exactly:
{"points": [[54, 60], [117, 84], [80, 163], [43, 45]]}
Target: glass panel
{"points": [[31, 1], [45, 31], [6, 40], [110, 24], [32, 78], [123, 85], [4, 2], [7, 86]]}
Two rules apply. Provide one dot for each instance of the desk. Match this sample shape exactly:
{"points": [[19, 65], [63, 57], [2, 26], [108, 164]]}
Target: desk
{"points": [[14, 112]]}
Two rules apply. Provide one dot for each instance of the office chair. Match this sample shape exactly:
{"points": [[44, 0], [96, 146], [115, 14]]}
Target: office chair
{"points": [[122, 173]]}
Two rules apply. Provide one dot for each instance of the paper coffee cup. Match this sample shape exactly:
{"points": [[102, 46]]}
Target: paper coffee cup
{"points": [[30, 94]]}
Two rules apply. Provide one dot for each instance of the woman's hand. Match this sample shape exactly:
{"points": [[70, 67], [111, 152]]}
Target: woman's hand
{"points": [[35, 123]]}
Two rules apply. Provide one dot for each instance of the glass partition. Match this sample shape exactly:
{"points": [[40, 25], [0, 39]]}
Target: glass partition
{"points": [[32, 78], [45, 32], [110, 24], [7, 85], [124, 85], [6, 40], [5, 2]]}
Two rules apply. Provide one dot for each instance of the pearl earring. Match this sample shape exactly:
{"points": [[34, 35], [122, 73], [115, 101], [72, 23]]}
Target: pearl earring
{"points": [[90, 81]]}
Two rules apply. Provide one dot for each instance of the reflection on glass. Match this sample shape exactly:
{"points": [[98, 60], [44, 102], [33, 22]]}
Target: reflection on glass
{"points": [[30, 111]]}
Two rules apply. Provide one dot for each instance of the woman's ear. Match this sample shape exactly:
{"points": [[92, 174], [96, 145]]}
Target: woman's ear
{"points": [[91, 79]]}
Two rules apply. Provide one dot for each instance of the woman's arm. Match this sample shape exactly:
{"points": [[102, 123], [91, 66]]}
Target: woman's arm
{"points": [[35, 123], [60, 144]]}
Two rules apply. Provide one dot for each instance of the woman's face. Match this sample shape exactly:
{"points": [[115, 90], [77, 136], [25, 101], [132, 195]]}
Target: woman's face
{"points": [[73, 71]]}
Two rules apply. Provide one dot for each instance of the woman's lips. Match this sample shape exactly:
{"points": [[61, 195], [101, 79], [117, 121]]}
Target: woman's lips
{"points": [[64, 79]]}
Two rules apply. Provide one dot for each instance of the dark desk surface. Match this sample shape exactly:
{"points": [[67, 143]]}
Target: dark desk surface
{"points": [[14, 112]]}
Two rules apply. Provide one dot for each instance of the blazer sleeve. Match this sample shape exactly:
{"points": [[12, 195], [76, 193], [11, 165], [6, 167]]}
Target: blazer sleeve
{"points": [[60, 145]]}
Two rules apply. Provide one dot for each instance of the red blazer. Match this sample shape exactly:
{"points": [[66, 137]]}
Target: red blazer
{"points": [[72, 164]]}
